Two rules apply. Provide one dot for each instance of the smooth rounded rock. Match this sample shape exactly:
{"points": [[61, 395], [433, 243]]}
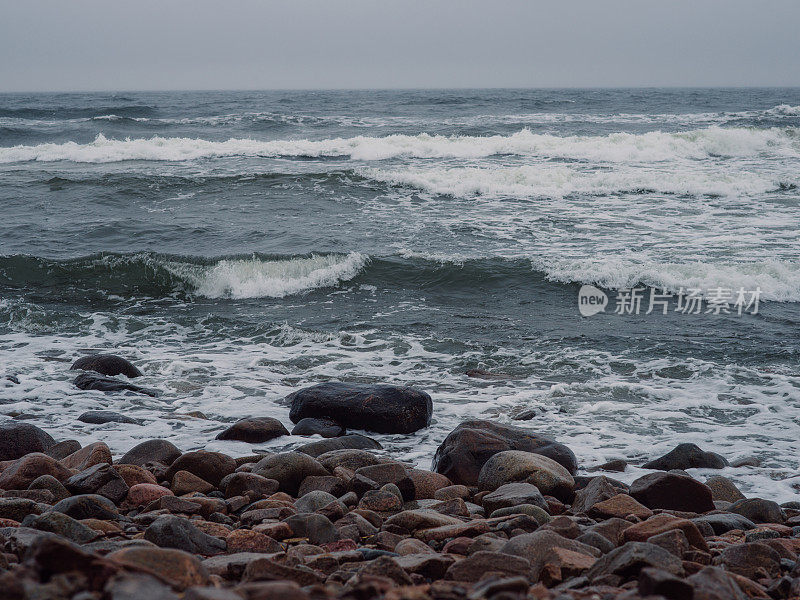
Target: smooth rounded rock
{"points": [[107, 364], [208, 466], [254, 430], [466, 449], [289, 469], [513, 466], [151, 451], [18, 439], [324, 426], [380, 408]]}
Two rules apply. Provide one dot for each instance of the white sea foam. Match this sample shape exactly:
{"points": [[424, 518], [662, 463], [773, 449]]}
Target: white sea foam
{"points": [[616, 147], [258, 278], [777, 280], [560, 180]]}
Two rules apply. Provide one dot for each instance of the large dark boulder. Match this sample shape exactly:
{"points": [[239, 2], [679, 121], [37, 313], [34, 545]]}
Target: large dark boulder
{"points": [[254, 430], [380, 408], [101, 417], [672, 492], [94, 381], [466, 449], [687, 456], [106, 364], [18, 439]]}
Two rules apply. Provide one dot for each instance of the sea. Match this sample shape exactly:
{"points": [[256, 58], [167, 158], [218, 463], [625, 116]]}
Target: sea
{"points": [[238, 246]]}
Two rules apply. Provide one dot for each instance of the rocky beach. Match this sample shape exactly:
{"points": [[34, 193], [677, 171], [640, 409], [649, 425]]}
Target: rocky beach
{"points": [[504, 512]]}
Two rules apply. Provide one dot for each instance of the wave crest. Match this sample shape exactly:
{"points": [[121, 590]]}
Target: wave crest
{"points": [[615, 147]]}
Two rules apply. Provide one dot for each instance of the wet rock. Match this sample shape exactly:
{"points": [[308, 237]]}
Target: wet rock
{"points": [[430, 566], [423, 518], [476, 565], [380, 501], [517, 466], [63, 525], [384, 473], [620, 506], [18, 439], [757, 510], [101, 417], [352, 459], [134, 475], [594, 539], [427, 483], [17, 509], [687, 456], [254, 430], [672, 491], [452, 491], [712, 583], [531, 510], [538, 547], [655, 582], [51, 484], [151, 451], [351, 441], [626, 561], [88, 456], [63, 449], [107, 364], [184, 482], [324, 483], [725, 522], [465, 450], [617, 465], [246, 540], [723, 488], [754, 560], [179, 568], [93, 381], [170, 531], [100, 479], [317, 528], [135, 586], [313, 501], [324, 426], [660, 523], [88, 506], [271, 590], [208, 466], [513, 494], [289, 469], [21, 473], [597, 489], [265, 569], [248, 484], [380, 408], [143, 494]]}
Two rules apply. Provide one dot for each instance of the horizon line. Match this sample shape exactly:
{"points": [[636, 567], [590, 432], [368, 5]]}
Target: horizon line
{"points": [[404, 89]]}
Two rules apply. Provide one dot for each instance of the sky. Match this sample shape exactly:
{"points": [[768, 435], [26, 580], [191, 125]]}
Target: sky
{"points": [[86, 45]]}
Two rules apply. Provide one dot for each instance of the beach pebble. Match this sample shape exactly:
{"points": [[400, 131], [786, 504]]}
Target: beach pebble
{"points": [[289, 469], [101, 417], [208, 466], [515, 465], [151, 451]]}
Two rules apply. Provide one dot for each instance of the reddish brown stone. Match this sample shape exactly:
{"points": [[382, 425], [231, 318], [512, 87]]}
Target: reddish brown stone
{"points": [[88, 456], [143, 494], [247, 540], [620, 506], [19, 474], [178, 568], [641, 532]]}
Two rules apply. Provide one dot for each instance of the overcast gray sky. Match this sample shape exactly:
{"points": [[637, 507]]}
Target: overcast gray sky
{"points": [[248, 44]]}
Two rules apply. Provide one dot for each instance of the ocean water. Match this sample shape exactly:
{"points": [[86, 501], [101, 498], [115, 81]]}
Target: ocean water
{"points": [[239, 246]]}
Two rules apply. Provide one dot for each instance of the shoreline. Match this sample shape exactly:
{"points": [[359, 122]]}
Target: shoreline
{"points": [[504, 513]]}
